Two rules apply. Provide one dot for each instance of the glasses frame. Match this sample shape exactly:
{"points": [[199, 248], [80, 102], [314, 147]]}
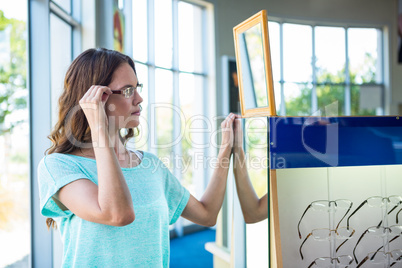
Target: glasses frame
{"points": [[330, 231], [126, 90], [332, 259], [366, 202], [329, 204], [366, 231], [374, 253]]}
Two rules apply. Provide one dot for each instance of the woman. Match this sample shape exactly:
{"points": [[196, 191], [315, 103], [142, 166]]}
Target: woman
{"points": [[254, 209], [113, 206]]}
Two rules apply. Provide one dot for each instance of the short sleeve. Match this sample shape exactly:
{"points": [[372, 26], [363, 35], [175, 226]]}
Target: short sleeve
{"points": [[176, 195], [54, 172]]}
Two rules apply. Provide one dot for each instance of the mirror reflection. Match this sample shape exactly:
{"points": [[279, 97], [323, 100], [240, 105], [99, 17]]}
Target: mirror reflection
{"points": [[251, 173], [253, 68]]}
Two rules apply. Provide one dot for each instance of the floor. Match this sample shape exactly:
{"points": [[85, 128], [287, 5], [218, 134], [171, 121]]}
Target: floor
{"points": [[189, 250]]}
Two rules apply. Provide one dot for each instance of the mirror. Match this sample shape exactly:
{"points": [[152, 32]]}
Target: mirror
{"points": [[254, 66]]}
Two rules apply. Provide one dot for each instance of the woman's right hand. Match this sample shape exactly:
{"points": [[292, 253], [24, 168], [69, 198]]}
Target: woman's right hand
{"points": [[93, 105], [238, 135]]}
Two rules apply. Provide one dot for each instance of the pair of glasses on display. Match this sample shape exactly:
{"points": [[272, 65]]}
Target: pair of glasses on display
{"points": [[381, 257], [340, 261], [129, 91], [325, 234], [377, 231], [378, 202], [325, 206]]}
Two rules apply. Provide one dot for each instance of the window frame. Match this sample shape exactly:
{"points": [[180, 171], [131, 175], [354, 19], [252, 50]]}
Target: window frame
{"points": [[45, 245]]}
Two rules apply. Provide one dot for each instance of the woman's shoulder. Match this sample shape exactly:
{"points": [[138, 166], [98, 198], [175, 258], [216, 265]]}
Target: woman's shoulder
{"points": [[61, 160]]}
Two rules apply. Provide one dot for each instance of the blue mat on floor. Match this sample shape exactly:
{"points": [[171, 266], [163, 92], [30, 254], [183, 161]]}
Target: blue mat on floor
{"points": [[189, 250]]}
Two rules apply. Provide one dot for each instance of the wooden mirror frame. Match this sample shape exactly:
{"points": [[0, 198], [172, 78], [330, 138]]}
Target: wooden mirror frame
{"points": [[259, 18]]}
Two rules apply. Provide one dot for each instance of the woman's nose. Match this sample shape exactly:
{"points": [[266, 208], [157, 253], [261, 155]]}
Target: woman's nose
{"points": [[137, 98]]}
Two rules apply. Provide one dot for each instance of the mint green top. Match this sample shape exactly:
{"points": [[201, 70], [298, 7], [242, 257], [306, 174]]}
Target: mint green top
{"points": [[158, 198]]}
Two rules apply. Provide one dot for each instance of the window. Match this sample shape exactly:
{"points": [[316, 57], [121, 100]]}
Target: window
{"points": [[315, 66], [64, 39], [170, 56], [14, 136]]}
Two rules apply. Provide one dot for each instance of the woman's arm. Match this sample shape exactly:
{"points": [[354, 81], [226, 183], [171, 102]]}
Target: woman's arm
{"points": [[254, 209], [110, 202], [205, 211]]}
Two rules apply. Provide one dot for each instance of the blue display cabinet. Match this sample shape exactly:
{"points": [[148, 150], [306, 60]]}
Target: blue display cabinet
{"points": [[335, 187]]}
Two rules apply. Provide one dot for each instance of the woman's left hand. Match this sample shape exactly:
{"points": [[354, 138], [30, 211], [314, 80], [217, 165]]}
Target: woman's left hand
{"points": [[227, 133]]}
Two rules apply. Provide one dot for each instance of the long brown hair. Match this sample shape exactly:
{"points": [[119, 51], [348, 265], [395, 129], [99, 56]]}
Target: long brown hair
{"points": [[92, 67]]}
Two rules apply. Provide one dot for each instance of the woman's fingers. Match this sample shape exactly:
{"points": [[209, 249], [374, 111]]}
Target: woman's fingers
{"points": [[92, 92], [99, 95]]}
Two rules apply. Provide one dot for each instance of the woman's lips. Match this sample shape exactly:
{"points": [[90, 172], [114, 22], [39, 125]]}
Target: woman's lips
{"points": [[136, 113]]}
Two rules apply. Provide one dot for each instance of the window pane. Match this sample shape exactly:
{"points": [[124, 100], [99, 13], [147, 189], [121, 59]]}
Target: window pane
{"points": [[363, 55], [164, 115], [278, 98], [330, 54], [140, 141], [366, 100], [274, 45], [140, 30], [191, 105], [331, 95], [60, 59], [14, 137], [297, 53], [298, 99], [64, 4], [163, 33], [190, 38]]}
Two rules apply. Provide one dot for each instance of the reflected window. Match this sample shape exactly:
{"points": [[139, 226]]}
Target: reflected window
{"points": [[316, 66]]}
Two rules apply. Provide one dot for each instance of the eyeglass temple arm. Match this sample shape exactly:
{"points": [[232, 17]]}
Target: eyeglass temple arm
{"points": [[363, 261], [298, 225], [358, 241], [383, 246], [395, 261], [345, 241], [311, 264], [351, 204], [300, 249], [359, 207], [379, 224], [397, 216]]}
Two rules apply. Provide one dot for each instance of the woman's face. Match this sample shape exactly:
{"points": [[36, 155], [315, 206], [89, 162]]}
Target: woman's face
{"points": [[123, 112]]}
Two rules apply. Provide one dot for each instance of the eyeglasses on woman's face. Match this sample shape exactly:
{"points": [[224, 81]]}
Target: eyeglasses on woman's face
{"points": [[129, 91]]}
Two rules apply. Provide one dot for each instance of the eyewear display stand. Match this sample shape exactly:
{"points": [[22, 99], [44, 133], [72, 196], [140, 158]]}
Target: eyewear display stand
{"points": [[335, 187]]}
